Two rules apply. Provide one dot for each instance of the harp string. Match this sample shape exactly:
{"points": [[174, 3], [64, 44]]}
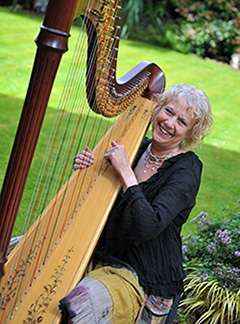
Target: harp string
{"points": [[88, 142], [63, 109], [70, 100], [67, 159]]}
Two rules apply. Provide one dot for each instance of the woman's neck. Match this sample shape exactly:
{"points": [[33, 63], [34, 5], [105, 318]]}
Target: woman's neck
{"points": [[160, 150]]}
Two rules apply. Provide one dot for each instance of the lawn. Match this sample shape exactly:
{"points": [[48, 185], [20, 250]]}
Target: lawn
{"points": [[220, 152]]}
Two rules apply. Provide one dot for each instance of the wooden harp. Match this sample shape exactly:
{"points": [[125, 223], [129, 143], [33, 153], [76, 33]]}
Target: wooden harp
{"points": [[52, 256]]}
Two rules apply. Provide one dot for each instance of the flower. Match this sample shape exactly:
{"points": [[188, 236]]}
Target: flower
{"points": [[223, 235], [211, 248], [215, 250], [201, 219]]}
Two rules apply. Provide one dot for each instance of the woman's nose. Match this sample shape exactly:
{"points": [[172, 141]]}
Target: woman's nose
{"points": [[170, 122]]}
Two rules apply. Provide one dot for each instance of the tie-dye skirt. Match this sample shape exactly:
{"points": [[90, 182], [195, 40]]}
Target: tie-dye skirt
{"points": [[112, 295]]}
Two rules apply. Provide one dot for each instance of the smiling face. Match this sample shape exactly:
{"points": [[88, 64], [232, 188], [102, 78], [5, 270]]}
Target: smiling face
{"points": [[172, 124]]}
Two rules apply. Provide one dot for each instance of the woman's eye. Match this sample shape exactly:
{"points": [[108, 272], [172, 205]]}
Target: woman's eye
{"points": [[183, 122], [169, 110]]}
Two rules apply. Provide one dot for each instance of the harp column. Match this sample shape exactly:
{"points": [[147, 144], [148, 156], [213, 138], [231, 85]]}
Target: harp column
{"points": [[52, 43]]}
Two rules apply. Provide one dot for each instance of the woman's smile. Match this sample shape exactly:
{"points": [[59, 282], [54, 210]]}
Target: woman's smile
{"points": [[164, 131], [172, 124]]}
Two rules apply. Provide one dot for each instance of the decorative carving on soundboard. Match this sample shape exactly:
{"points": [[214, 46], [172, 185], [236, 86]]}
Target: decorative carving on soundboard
{"points": [[130, 111], [144, 115], [10, 289], [38, 308]]}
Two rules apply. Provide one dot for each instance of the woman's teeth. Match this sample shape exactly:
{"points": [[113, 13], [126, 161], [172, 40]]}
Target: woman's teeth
{"points": [[164, 131]]}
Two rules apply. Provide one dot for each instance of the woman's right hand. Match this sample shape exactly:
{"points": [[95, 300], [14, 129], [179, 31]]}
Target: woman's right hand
{"points": [[83, 159]]}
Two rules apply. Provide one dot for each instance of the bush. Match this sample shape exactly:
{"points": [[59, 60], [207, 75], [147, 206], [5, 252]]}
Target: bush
{"points": [[40, 6], [148, 21], [212, 262], [210, 27]]}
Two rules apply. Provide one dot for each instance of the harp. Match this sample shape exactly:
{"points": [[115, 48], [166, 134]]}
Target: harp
{"points": [[53, 254]]}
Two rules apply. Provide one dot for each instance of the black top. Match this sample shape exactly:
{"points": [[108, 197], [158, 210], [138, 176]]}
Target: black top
{"points": [[145, 224]]}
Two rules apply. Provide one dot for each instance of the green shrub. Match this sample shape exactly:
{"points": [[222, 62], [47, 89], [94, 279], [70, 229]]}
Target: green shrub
{"points": [[138, 15], [210, 27], [208, 301], [212, 262]]}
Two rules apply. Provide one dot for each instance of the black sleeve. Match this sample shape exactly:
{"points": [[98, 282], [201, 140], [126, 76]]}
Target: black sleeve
{"points": [[135, 219]]}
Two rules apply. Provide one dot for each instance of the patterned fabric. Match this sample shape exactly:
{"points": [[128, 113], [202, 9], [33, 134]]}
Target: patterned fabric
{"points": [[82, 304], [14, 241], [154, 310], [106, 295]]}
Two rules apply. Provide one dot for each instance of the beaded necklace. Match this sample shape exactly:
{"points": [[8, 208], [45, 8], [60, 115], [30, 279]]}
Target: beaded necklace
{"points": [[153, 162]]}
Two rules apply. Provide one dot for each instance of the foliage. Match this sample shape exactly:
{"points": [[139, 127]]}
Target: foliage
{"points": [[145, 20], [209, 302], [207, 28], [131, 15], [211, 28], [212, 259], [40, 6], [216, 248], [25, 4]]}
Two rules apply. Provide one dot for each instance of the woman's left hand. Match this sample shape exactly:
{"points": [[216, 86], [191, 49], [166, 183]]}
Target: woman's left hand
{"points": [[118, 158]]}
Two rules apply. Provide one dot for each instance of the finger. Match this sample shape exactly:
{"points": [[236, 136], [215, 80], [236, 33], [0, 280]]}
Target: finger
{"points": [[87, 149], [114, 144], [88, 153], [108, 161], [107, 156], [81, 165], [112, 149], [76, 167], [84, 156], [82, 160]]}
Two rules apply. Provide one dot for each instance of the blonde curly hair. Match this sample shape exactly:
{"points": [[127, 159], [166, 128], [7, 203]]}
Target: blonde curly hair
{"points": [[198, 105]]}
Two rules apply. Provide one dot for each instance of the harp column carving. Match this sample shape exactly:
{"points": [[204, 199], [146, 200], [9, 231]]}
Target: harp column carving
{"points": [[52, 43]]}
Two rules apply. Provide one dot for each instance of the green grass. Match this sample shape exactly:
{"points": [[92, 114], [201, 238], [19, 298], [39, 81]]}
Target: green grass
{"points": [[220, 152]]}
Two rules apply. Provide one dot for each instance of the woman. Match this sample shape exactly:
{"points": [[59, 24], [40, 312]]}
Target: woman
{"points": [[138, 274]]}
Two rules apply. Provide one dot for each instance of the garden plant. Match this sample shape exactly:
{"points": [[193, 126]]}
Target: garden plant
{"points": [[212, 263], [209, 28]]}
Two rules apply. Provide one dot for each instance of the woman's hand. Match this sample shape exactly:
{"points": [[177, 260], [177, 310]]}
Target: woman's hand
{"points": [[83, 159], [118, 158]]}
